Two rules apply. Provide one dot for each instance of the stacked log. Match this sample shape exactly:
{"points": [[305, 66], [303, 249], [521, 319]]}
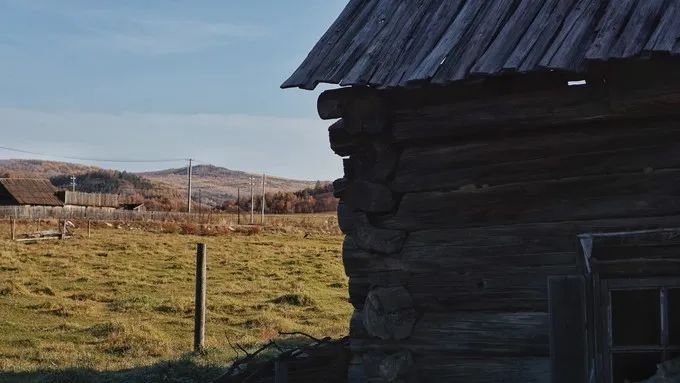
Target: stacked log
{"points": [[457, 212]]}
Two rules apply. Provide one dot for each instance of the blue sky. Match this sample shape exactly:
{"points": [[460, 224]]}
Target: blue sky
{"points": [[164, 79]]}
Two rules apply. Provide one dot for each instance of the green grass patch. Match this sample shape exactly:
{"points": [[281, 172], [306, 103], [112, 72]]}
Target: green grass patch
{"points": [[69, 313]]}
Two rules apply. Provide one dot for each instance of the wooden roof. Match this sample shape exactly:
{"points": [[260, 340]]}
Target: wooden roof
{"points": [[393, 43], [31, 191]]}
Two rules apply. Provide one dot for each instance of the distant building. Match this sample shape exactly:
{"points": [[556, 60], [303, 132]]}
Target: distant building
{"points": [[28, 192], [41, 192], [98, 200], [133, 206]]}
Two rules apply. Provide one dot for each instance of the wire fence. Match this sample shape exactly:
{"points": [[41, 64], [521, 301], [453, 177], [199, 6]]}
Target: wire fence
{"points": [[202, 217]]}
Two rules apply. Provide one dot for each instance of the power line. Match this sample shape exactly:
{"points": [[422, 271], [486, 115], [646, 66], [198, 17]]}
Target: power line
{"points": [[92, 159]]}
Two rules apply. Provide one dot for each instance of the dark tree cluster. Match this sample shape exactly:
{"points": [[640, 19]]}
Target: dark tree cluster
{"points": [[311, 200]]}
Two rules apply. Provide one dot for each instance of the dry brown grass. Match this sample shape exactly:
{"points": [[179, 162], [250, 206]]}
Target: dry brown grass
{"points": [[114, 307]]}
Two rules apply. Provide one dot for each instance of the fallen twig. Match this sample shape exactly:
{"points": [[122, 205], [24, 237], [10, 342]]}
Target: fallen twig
{"points": [[304, 334]]}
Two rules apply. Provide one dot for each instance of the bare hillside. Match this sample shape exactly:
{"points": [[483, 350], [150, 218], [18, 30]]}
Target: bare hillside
{"points": [[217, 184], [212, 184], [41, 169]]}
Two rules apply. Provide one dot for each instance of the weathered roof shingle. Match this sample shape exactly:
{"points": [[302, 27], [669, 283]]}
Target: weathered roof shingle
{"points": [[30, 191], [393, 43]]}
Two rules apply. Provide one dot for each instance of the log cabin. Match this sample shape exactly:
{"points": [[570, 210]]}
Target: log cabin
{"points": [[511, 189], [28, 193]]}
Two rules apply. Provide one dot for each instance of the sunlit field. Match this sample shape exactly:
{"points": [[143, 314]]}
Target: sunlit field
{"points": [[119, 305]]}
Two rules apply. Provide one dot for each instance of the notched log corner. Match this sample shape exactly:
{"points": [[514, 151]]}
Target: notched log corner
{"points": [[356, 325], [331, 103], [348, 218], [388, 313], [340, 186], [360, 262], [366, 236], [374, 161], [384, 241], [366, 115], [342, 142], [366, 196], [382, 367]]}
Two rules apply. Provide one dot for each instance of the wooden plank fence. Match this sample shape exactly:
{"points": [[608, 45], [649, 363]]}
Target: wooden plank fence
{"points": [[99, 214], [89, 199], [82, 212]]}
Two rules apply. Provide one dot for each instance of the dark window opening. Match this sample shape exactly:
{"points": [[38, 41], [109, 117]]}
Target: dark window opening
{"points": [[674, 317], [644, 329], [634, 367], [636, 317]]}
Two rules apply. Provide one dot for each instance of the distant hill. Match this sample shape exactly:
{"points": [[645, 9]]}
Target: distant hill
{"points": [[164, 189], [218, 184], [41, 169]]}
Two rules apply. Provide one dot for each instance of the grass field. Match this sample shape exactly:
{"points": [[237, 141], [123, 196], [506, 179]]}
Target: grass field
{"points": [[118, 307]]}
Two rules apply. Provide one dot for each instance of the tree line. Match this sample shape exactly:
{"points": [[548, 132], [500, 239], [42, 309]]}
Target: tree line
{"points": [[318, 199]]}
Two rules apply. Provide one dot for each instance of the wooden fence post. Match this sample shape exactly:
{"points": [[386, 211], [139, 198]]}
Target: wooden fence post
{"points": [[13, 228], [199, 309], [280, 371], [89, 233], [63, 230]]}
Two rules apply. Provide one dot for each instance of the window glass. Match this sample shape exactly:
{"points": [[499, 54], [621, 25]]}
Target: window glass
{"points": [[634, 367], [636, 317]]}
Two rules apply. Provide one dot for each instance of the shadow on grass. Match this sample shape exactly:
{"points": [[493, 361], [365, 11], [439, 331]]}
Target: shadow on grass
{"points": [[190, 368], [184, 370]]}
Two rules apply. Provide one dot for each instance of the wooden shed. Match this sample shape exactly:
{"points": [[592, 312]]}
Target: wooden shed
{"points": [[511, 198], [28, 192]]}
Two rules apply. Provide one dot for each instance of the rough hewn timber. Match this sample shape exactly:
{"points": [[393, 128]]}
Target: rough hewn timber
{"points": [[388, 367], [472, 334], [596, 149], [388, 313], [494, 289], [366, 116], [439, 367], [512, 113], [367, 196], [342, 142], [358, 261], [348, 217], [374, 161], [359, 286], [578, 198]]}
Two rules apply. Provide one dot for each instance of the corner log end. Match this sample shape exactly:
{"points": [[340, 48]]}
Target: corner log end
{"points": [[389, 313], [366, 196], [342, 142], [384, 367]]}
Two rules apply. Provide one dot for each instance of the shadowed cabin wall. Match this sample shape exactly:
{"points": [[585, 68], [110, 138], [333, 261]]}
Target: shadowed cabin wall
{"points": [[458, 205]]}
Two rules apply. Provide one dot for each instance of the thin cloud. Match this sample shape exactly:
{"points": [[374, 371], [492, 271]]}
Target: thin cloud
{"points": [[291, 147], [92, 26], [166, 36]]}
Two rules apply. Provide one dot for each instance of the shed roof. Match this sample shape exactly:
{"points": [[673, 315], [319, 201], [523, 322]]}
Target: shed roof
{"points": [[393, 43], [31, 191]]}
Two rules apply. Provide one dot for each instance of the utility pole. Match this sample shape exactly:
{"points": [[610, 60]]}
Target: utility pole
{"points": [[238, 206], [73, 183], [252, 200], [189, 189], [200, 200], [263, 198]]}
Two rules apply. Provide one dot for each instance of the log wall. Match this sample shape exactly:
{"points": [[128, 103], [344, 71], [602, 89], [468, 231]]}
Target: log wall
{"points": [[457, 212]]}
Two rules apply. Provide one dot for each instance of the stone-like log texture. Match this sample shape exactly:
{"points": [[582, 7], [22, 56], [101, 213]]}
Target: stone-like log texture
{"points": [[457, 210]]}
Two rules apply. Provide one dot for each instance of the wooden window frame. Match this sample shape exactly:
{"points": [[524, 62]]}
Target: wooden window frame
{"points": [[604, 268], [604, 318]]}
